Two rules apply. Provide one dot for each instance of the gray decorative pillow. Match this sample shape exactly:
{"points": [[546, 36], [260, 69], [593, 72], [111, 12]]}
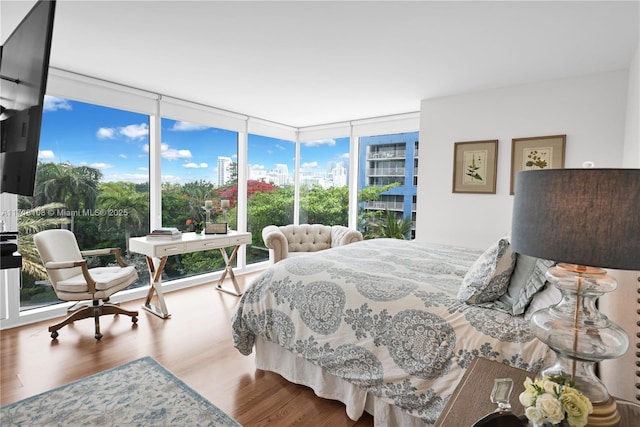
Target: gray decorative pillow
{"points": [[548, 295], [488, 277], [527, 279]]}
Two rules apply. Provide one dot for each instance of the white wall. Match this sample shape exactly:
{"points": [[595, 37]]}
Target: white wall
{"points": [[621, 306], [600, 114], [590, 110]]}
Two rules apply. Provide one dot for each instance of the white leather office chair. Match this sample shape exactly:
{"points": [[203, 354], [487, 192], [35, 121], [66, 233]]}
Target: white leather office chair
{"points": [[72, 280]]}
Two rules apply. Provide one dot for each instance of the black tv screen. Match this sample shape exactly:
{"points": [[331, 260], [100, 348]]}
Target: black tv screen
{"points": [[24, 67]]}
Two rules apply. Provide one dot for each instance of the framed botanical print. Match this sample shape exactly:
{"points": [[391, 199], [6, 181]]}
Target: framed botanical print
{"points": [[539, 152], [474, 166]]}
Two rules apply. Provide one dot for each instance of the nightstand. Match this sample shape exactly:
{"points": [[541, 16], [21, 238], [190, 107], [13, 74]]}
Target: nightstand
{"points": [[471, 401]]}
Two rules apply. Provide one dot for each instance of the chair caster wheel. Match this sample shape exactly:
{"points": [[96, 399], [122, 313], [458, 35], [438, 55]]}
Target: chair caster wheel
{"points": [[54, 335], [98, 336], [134, 319]]}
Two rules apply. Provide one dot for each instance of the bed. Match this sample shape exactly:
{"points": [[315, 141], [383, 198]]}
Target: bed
{"points": [[381, 326]]}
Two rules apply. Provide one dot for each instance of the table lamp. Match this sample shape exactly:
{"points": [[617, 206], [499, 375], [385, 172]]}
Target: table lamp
{"points": [[586, 220]]}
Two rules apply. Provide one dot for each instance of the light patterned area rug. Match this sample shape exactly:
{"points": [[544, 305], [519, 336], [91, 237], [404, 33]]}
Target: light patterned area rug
{"points": [[138, 393]]}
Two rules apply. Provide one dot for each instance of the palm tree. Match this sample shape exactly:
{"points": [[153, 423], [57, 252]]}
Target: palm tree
{"points": [[30, 222], [389, 225], [76, 187], [196, 193], [124, 207]]}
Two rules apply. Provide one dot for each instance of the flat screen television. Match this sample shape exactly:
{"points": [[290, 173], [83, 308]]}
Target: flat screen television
{"points": [[24, 67]]}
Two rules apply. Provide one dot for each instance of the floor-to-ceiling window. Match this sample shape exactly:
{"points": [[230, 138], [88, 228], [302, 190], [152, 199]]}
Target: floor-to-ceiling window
{"points": [[270, 189], [324, 179], [133, 170], [198, 164], [92, 178], [388, 164]]}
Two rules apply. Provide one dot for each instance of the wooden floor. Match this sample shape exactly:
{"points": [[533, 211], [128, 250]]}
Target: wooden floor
{"points": [[194, 343]]}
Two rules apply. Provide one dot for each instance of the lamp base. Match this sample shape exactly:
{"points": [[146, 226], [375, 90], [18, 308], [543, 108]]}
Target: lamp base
{"points": [[581, 336], [604, 414]]}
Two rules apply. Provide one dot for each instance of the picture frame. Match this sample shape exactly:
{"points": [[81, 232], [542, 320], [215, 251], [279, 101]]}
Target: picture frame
{"points": [[538, 152], [215, 228], [475, 165]]}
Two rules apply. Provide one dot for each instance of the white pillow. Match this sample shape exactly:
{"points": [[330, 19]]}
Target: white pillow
{"points": [[488, 277]]}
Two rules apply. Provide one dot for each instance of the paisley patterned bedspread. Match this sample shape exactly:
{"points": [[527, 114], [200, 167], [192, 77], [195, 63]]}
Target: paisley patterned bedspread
{"points": [[383, 315]]}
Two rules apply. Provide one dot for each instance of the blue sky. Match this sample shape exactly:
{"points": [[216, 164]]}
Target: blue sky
{"points": [[116, 142]]}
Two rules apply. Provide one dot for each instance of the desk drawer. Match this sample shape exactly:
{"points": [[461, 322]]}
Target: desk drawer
{"points": [[169, 249], [207, 244], [239, 240]]}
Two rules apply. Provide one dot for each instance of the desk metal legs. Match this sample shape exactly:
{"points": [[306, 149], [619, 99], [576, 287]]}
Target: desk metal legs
{"points": [[155, 275], [229, 260]]}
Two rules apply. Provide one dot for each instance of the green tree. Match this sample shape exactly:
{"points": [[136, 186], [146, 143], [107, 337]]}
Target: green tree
{"points": [[175, 206], [325, 206], [30, 222], [195, 193], [266, 208], [388, 224], [125, 208], [76, 187]]}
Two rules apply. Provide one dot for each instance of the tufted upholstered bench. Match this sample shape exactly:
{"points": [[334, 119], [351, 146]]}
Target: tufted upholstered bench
{"points": [[291, 240]]}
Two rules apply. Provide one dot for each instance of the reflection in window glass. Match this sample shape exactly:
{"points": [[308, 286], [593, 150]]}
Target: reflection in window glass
{"points": [[270, 189], [388, 164], [92, 179], [198, 164], [324, 182]]}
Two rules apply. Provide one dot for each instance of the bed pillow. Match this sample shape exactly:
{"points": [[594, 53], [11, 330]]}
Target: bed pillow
{"points": [[488, 277], [527, 279], [547, 296]]}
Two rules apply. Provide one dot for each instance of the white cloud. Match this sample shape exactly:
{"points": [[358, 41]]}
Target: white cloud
{"points": [[192, 165], [46, 155], [131, 131], [144, 169], [100, 165], [329, 142], [106, 133], [135, 131], [166, 152], [122, 156], [257, 167], [343, 156], [187, 126], [51, 103], [173, 154]]}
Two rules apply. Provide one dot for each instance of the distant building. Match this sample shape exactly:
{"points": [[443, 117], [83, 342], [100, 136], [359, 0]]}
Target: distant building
{"points": [[224, 174], [338, 175], [280, 175], [386, 159]]}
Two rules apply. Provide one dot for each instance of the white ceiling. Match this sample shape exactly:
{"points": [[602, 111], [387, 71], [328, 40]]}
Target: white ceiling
{"points": [[305, 63]]}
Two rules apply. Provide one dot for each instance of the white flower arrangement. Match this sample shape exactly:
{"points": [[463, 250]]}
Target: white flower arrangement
{"points": [[555, 401]]}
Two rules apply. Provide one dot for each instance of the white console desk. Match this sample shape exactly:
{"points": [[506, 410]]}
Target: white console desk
{"points": [[161, 248]]}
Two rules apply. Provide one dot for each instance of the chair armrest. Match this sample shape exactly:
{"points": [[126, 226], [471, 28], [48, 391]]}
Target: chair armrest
{"points": [[341, 236], [106, 251], [59, 265], [276, 241]]}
